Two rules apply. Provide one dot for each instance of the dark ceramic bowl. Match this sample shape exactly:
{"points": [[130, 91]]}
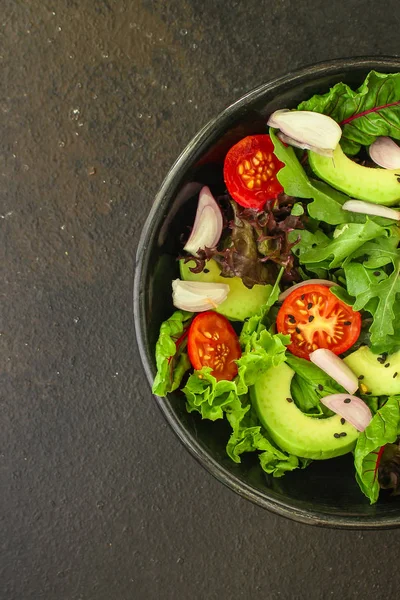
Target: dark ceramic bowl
{"points": [[326, 492]]}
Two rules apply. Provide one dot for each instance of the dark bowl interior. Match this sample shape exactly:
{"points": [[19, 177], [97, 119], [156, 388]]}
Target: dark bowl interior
{"points": [[326, 492]]}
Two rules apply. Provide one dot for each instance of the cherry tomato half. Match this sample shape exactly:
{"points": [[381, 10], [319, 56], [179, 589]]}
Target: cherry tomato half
{"points": [[316, 318], [212, 342], [250, 169]]}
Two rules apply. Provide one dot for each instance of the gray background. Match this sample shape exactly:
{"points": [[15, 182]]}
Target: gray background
{"points": [[98, 499]]}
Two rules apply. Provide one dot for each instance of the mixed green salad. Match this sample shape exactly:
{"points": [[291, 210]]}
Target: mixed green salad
{"points": [[287, 319]]}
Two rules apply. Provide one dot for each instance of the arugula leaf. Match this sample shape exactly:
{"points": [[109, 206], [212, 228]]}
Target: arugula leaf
{"points": [[382, 430], [310, 384], [365, 114], [378, 293], [327, 205], [318, 247], [171, 359]]}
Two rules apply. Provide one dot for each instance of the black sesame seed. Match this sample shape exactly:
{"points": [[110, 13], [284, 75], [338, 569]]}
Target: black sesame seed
{"points": [[320, 387], [343, 421], [398, 179], [289, 399], [347, 323], [387, 365], [309, 305], [303, 296], [394, 375], [298, 330], [343, 434], [313, 245], [377, 273], [360, 377], [291, 319], [310, 318], [206, 270], [347, 400], [336, 435]]}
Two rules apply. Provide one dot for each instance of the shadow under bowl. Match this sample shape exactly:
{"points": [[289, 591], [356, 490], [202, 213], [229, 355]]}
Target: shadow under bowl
{"points": [[325, 493]]}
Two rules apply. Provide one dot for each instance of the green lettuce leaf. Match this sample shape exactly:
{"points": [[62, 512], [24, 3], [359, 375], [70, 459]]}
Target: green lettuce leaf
{"points": [[310, 384], [248, 436], [382, 430], [257, 323], [171, 359], [262, 351], [209, 397], [215, 399], [327, 205], [365, 114]]}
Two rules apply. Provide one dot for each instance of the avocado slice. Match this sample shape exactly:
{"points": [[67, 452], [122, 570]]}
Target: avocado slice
{"points": [[378, 379], [241, 301], [380, 186], [291, 429]]}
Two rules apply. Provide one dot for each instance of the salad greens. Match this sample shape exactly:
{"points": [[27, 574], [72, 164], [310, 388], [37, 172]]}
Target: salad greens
{"points": [[382, 430], [171, 358], [305, 233], [365, 114]]}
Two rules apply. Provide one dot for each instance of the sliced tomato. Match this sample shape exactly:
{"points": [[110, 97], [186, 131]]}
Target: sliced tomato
{"points": [[212, 342], [315, 318], [250, 170]]}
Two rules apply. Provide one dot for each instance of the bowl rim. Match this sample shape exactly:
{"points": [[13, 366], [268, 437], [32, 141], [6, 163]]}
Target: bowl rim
{"points": [[161, 201]]}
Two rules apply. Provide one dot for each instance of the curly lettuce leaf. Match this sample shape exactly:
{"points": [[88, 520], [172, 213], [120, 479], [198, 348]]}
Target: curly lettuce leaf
{"points": [[382, 430], [373, 110], [171, 359], [248, 436], [262, 351], [215, 399]]}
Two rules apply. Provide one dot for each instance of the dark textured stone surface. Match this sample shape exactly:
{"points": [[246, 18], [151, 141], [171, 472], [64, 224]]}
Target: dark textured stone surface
{"points": [[98, 499]]}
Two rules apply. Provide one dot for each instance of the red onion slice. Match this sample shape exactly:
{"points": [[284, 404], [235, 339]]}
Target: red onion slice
{"points": [[286, 293], [311, 129], [198, 296], [335, 368], [366, 208], [351, 408], [385, 153], [208, 224]]}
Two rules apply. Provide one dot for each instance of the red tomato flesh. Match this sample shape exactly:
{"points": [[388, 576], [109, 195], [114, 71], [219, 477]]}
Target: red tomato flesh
{"points": [[315, 318], [212, 342], [250, 170]]}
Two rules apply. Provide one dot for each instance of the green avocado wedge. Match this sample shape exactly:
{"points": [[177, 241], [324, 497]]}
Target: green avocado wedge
{"points": [[380, 373], [380, 186], [290, 428], [241, 302]]}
